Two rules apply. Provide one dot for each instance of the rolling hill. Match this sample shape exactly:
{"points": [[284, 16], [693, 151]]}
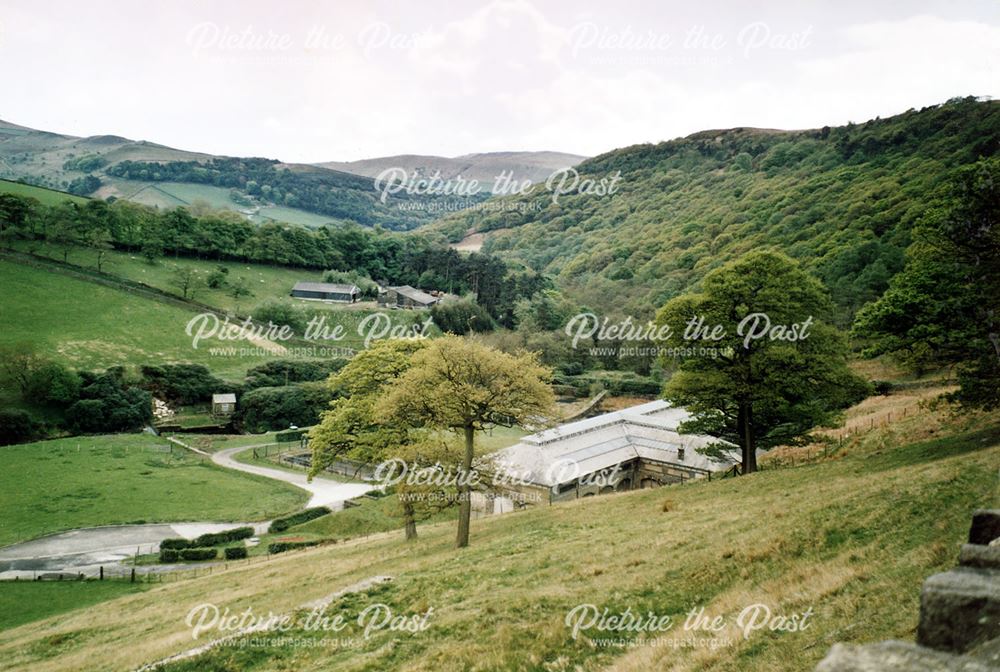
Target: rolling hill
{"points": [[485, 167], [153, 174], [842, 200]]}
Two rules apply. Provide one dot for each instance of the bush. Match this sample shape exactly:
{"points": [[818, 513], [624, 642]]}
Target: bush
{"points": [[183, 383], [175, 544], [284, 371], [107, 404], [235, 552], [461, 317], [282, 546], [224, 537], [882, 387], [18, 426], [199, 553], [281, 314], [282, 524], [269, 408], [169, 555], [53, 383]]}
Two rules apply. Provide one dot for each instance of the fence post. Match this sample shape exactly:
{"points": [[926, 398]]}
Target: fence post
{"points": [[102, 573]]}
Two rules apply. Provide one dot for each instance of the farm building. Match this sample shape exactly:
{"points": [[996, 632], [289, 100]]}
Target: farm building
{"points": [[638, 447], [406, 297], [223, 404], [326, 291]]}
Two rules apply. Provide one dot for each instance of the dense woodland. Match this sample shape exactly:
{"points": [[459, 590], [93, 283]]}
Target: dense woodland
{"points": [[340, 195], [842, 200]]}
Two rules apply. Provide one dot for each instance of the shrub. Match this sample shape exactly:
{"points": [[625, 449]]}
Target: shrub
{"points": [[199, 553], [282, 371], [175, 544], [282, 546], [224, 537], [282, 524], [281, 314], [235, 552], [18, 426], [169, 555], [268, 408], [882, 387], [108, 404], [183, 383]]}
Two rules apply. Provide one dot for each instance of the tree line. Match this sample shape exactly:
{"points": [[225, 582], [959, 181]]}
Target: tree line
{"points": [[383, 256]]}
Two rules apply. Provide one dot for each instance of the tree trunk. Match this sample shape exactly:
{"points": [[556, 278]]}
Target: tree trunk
{"points": [[748, 447], [464, 491], [409, 515]]}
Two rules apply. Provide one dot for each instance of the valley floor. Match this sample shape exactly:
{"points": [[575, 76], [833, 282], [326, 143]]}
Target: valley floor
{"points": [[848, 538]]}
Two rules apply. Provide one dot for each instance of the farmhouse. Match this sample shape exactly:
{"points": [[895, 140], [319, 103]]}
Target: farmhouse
{"points": [[638, 447], [326, 291], [406, 297], [223, 404]]}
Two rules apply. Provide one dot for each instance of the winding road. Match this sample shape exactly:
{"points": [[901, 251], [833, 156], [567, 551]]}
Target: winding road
{"points": [[324, 491], [86, 550]]}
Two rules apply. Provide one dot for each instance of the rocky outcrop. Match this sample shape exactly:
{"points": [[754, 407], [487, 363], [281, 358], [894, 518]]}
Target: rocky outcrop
{"points": [[959, 629]]}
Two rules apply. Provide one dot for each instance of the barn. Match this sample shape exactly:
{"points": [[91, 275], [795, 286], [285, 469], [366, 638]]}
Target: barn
{"points": [[223, 404], [637, 447], [326, 291], [405, 296]]}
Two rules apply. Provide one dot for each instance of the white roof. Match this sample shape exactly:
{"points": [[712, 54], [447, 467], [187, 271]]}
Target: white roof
{"points": [[224, 398], [647, 431]]}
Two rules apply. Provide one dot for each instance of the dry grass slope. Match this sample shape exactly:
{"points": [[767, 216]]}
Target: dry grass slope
{"points": [[852, 537]]}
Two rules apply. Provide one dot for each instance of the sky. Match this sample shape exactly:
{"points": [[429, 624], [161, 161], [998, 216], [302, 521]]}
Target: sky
{"points": [[310, 81]]}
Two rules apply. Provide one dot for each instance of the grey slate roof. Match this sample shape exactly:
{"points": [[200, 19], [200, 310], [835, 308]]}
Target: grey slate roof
{"points": [[328, 287], [415, 294], [224, 398]]}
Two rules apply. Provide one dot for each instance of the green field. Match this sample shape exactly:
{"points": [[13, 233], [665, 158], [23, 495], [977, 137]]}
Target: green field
{"points": [[63, 484], [89, 326], [43, 195], [174, 194], [26, 601], [791, 538], [268, 283]]}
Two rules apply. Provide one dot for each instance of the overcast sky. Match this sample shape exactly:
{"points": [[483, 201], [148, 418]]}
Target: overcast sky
{"points": [[315, 81]]}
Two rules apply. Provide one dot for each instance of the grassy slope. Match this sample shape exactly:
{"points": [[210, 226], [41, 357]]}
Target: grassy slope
{"points": [[91, 326], [43, 195], [268, 283], [853, 537], [57, 485], [24, 602]]}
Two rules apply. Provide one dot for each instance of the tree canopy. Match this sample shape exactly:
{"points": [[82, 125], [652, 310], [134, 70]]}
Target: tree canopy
{"points": [[462, 385], [772, 368]]}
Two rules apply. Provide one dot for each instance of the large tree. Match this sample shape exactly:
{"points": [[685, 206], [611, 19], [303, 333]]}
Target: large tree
{"points": [[943, 308], [465, 386], [351, 429], [762, 391]]}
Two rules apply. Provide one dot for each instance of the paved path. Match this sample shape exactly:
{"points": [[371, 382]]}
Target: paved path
{"points": [[324, 491], [86, 550]]}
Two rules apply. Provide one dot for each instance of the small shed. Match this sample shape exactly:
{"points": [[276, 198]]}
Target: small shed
{"points": [[405, 296], [326, 291], [223, 404]]}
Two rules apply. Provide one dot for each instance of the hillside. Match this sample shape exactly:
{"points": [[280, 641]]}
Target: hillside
{"points": [[153, 174], [842, 200], [856, 563], [485, 167]]}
